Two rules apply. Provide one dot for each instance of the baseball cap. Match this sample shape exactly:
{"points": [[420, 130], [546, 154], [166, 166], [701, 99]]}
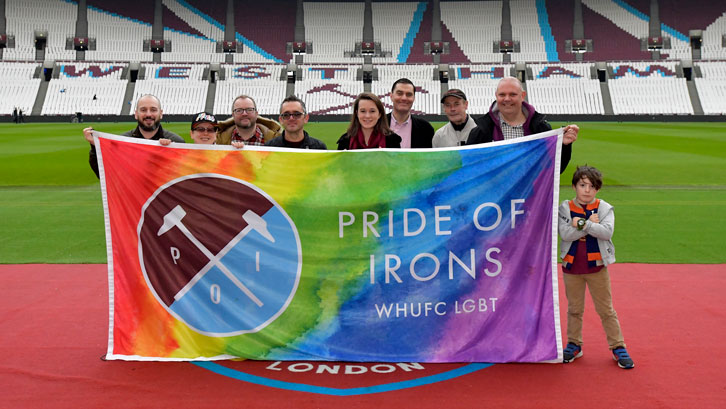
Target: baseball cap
{"points": [[454, 92], [204, 117]]}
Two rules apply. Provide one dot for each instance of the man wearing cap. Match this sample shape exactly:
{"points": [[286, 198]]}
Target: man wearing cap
{"points": [[415, 132], [293, 117], [511, 117], [203, 131], [148, 114], [245, 125], [456, 132]]}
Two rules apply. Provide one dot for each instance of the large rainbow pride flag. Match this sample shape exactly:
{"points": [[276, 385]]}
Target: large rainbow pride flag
{"points": [[440, 255]]}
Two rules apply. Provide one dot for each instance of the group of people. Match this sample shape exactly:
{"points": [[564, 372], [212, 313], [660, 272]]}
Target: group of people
{"points": [[18, 115], [370, 126], [586, 223]]}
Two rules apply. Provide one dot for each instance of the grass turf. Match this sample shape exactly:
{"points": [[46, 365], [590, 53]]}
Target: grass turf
{"points": [[667, 182]]}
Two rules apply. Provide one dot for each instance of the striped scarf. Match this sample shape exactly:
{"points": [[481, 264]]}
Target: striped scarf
{"points": [[594, 258]]}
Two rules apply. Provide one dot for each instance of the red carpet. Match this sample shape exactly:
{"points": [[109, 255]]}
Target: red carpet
{"points": [[54, 325]]}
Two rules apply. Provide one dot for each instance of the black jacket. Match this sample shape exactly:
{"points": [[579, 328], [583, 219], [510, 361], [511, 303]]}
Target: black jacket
{"points": [[484, 133], [392, 141], [308, 142], [135, 133], [422, 133]]}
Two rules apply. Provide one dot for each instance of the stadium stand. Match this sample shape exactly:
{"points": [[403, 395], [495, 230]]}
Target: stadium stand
{"points": [[610, 41], [561, 18], [177, 17], [260, 81], [690, 15], [564, 87], [215, 11], [263, 33], [456, 54], [712, 38], [192, 37], [529, 28], [333, 28], [329, 89], [423, 32], [23, 17], [193, 27], [680, 46], [118, 38], [628, 20], [428, 90], [18, 86], [187, 47], [179, 87], [479, 83], [418, 34], [391, 26], [677, 19], [638, 84], [134, 10], [712, 87], [635, 22], [648, 88], [474, 28], [267, 26], [90, 88]]}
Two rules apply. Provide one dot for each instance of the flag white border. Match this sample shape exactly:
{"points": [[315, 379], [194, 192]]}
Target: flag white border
{"points": [[109, 248]]}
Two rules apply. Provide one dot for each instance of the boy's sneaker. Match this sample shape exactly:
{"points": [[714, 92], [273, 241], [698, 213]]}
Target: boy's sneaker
{"points": [[620, 355], [571, 353]]}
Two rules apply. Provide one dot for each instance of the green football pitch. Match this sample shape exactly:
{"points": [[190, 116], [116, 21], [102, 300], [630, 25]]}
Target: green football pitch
{"points": [[667, 182]]}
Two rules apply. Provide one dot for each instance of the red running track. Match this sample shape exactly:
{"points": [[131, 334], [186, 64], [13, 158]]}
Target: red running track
{"points": [[54, 326]]}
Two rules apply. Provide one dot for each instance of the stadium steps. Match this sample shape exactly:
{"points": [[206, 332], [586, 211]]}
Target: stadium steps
{"points": [[695, 99], [506, 29], [211, 93], [128, 95], [40, 98], [607, 102]]}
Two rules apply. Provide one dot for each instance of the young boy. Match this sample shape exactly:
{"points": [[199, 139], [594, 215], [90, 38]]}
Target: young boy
{"points": [[586, 226]]}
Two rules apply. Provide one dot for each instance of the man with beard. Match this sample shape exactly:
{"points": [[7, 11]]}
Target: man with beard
{"points": [[148, 114], [415, 132], [246, 126]]}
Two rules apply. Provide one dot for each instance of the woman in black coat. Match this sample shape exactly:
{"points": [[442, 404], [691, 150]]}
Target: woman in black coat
{"points": [[368, 128]]}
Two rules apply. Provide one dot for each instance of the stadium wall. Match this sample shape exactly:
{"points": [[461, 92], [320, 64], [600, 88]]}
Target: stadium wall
{"points": [[346, 118]]}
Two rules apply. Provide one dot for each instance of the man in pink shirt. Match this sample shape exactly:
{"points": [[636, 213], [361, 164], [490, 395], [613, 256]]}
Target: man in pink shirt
{"points": [[415, 132]]}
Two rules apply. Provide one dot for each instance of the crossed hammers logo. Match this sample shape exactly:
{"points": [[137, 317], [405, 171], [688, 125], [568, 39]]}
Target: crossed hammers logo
{"points": [[254, 222]]}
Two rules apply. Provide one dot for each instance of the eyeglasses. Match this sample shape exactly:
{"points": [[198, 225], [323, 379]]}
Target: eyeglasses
{"points": [[296, 115], [205, 130], [238, 111]]}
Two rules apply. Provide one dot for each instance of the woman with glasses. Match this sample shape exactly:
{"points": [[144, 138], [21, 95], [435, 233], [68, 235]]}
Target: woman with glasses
{"points": [[203, 131], [368, 128]]}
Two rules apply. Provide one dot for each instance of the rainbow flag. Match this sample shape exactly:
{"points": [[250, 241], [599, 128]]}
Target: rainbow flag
{"points": [[439, 255]]}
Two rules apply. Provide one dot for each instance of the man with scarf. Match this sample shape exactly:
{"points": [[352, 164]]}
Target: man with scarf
{"points": [[511, 117]]}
